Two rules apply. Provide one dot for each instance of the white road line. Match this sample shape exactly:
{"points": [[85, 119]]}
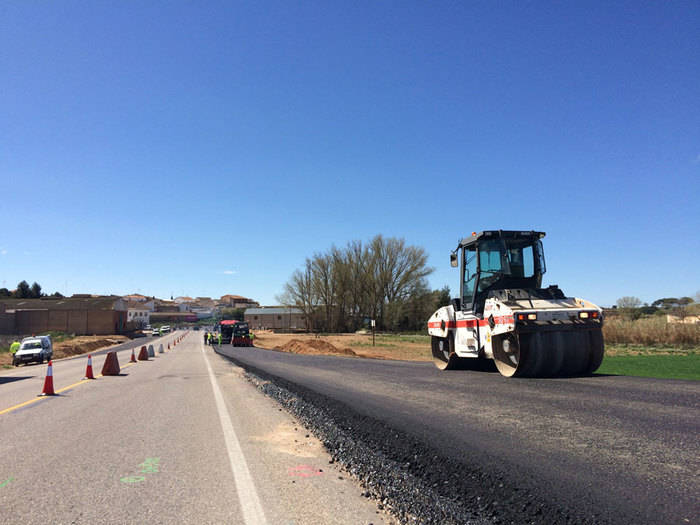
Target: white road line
{"points": [[247, 495]]}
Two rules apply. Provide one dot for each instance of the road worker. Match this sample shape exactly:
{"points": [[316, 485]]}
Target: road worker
{"points": [[14, 347], [211, 338], [206, 337], [219, 338], [251, 338]]}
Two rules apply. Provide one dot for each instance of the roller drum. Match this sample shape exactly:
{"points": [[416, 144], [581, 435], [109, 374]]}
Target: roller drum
{"points": [[597, 346], [444, 355], [549, 354]]}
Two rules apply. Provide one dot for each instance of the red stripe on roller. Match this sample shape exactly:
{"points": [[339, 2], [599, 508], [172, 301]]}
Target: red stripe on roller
{"points": [[472, 323]]}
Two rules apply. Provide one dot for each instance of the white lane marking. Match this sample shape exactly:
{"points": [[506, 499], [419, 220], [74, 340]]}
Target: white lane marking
{"points": [[247, 495]]}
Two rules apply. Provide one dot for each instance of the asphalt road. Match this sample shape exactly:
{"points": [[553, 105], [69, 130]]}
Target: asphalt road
{"points": [[181, 438], [26, 381], [603, 448]]}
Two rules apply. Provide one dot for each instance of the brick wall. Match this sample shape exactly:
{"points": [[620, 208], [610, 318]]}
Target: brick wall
{"points": [[276, 321], [31, 321], [80, 322], [7, 323]]}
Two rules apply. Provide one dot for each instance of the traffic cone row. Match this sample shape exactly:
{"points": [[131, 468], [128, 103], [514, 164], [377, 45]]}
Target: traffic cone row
{"points": [[110, 368]]}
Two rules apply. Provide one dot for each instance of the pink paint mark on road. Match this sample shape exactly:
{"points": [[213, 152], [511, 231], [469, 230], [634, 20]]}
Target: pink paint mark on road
{"points": [[304, 471]]}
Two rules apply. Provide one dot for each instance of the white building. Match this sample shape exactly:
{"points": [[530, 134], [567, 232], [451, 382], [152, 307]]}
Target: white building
{"points": [[139, 314]]}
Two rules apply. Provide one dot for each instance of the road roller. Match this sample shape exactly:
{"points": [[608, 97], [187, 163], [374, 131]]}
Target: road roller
{"points": [[503, 313]]}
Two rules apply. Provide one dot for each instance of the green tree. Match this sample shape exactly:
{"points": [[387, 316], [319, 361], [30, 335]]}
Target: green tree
{"points": [[666, 303], [4, 292], [36, 290], [441, 297], [23, 290], [648, 310], [231, 314]]}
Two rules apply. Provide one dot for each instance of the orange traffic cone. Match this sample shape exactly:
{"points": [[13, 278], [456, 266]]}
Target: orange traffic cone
{"points": [[88, 370], [143, 354], [111, 365], [133, 357], [48, 382]]}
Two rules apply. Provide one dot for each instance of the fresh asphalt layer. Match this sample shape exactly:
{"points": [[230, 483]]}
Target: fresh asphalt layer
{"points": [[181, 438], [600, 449]]}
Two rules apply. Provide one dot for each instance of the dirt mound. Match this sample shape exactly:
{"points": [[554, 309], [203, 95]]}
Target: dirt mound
{"points": [[72, 346], [313, 346], [81, 345]]}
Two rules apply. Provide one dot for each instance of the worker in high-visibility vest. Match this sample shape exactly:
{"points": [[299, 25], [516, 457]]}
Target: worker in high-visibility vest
{"points": [[14, 347], [219, 338], [252, 338]]}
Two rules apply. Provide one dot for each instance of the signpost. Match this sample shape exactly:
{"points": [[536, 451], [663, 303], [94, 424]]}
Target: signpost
{"points": [[373, 324]]}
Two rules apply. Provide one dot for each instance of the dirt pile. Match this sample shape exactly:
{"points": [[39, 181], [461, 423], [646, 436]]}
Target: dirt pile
{"points": [[81, 345], [313, 346], [73, 346]]}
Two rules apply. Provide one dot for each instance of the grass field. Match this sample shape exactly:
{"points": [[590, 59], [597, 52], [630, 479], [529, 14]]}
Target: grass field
{"points": [[664, 366]]}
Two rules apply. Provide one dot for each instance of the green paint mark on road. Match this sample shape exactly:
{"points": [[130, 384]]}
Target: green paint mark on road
{"points": [[133, 479], [6, 482], [150, 465]]}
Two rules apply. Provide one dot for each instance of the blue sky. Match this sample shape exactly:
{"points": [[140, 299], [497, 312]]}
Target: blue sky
{"points": [[204, 148]]}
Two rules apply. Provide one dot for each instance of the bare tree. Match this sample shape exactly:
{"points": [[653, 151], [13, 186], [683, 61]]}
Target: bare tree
{"points": [[323, 281], [299, 292], [376, 281], [629, 302]]}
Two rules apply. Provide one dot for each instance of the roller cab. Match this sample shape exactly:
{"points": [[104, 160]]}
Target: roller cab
{"points": [[503, 314]]}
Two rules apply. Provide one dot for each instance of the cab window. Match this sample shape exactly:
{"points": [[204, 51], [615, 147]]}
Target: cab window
{"points": [[469, 276], [491, 256], [522, 261], [492, 263]]}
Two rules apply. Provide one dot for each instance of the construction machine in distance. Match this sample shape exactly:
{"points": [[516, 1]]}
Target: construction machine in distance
{"points": [[503, 314], [236, 333]]}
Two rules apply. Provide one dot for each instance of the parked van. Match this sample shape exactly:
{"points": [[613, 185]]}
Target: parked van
{"points": [[34, 349]]}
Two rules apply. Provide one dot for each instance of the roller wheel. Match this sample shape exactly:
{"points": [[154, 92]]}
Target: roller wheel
{"points": [[444, 356], [597, 350], [508, 354]]}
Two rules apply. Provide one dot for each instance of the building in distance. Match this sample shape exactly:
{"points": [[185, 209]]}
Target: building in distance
{"points": [[275, 318]]}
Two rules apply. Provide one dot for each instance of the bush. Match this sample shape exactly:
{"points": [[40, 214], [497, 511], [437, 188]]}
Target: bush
{"points": [[651, 331]]}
